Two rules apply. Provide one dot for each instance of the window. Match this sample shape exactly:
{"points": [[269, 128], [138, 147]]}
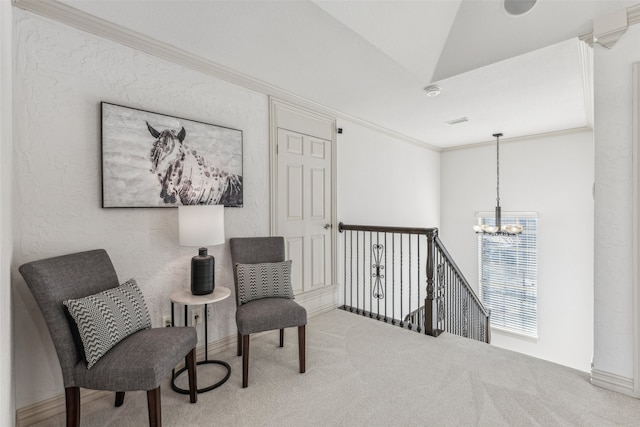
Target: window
{"points": [[508, 274]]}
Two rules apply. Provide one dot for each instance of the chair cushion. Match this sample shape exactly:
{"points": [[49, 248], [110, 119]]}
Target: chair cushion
{"points": [[141, 361], [266, 280], [268, 314], [106, 318]]}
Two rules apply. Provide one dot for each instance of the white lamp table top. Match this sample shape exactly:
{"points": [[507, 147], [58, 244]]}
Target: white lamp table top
{"points": [[185, 296]]}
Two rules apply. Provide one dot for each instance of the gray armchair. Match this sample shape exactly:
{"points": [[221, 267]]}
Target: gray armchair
{"points": [[139, 362], [264, 314]]}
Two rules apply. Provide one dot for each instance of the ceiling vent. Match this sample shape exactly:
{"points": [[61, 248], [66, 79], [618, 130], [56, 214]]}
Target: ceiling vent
{"points": [[460, 120]]}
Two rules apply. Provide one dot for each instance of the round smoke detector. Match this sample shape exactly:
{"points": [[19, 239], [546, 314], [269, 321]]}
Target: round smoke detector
{"points": [[518, 7], [432, 90]]}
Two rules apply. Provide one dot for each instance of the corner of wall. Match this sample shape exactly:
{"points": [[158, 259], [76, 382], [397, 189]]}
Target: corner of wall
{"points": [[7, 394]]}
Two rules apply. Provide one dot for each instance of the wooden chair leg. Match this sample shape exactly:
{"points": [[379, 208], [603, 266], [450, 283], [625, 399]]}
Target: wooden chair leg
{"points": [[301, 348], [239, 344], [119, 398], [193, 377], [155, 409], [72, 399], [245, 361], [281, 337]]}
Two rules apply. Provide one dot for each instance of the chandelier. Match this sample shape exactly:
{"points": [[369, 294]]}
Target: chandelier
{"points": [[498, 229]]}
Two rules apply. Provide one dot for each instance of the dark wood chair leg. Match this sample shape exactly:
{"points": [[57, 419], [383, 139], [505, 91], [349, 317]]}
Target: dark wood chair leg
{"points": [[193, 377], [155, 409], [239, 344], [245, 361], [281, 337], [72, 399], [301, 347], [119, 398]]}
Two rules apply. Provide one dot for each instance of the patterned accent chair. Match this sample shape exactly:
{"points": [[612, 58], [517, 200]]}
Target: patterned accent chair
{"points": [[140, 361], [265, 314]]}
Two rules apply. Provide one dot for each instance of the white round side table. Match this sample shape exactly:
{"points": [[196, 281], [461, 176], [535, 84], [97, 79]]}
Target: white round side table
{"points": [[186, 298]]}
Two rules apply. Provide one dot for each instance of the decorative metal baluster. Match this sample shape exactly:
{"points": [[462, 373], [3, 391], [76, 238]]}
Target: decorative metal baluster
{"points": [[364, 274], [428, 320], [393, 278], [357, 272], [454, 307], [474, 322], [377, 251], [418, 321], [409, 325], [447, 292], [450, 304], [370, 277], [440, 293], [401, 281], [471, 317], [465, 315], [385, 278], [460, 304], [447, 301], [377, 291], [461, 308], [351, 272], [344, 252], [457, 306]]}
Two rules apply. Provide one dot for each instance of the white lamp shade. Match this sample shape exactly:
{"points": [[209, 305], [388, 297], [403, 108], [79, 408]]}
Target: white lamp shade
{"points": [[201, 225]]}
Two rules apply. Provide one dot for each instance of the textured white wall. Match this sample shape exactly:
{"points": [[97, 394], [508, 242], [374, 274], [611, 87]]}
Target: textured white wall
{"points": [[386, 181], [552, 176], [613, 352], [61, 75], [6, 202]]}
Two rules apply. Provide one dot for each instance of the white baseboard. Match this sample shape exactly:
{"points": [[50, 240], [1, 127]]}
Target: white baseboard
{"points": [[45, 409], [613, 382], [41, 411]]}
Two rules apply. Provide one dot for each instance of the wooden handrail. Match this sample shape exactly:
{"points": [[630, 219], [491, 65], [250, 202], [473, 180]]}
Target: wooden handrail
{"points": [[382, 229]]}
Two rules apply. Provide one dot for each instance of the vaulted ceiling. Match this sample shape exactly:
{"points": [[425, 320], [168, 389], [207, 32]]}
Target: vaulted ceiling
{"points": [[520, 75]]}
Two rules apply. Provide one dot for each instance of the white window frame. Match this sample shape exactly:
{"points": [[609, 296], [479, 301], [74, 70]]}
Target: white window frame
{"points": [[514, 306]]}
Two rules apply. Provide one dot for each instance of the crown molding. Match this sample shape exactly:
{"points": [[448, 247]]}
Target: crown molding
{"points": [[88, 23], [633, 14], [518, 139], [633, 17], [586, 60]]}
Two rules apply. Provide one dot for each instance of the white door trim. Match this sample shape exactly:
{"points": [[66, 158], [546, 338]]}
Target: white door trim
{"points": [[280, 114], [636, 228]]}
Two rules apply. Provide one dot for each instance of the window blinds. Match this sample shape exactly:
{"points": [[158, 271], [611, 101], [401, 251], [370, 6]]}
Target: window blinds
{"points": [[508, 274]]}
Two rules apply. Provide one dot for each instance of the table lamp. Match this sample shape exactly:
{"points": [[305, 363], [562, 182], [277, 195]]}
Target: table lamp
{"points": [[201, 226]]}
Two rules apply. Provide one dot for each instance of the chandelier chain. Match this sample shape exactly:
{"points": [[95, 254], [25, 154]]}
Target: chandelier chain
{"points": [[497, 229], [498, 170]]}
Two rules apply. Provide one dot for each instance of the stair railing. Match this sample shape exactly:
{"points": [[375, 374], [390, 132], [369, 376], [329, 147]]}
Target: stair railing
{"points": [[406, 277]]}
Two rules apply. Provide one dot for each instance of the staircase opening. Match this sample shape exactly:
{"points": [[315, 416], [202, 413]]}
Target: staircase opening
{"points": [[406, 277]]}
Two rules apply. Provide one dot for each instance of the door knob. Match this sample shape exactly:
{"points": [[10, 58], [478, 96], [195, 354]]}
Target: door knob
{"points": [[327, 226]]}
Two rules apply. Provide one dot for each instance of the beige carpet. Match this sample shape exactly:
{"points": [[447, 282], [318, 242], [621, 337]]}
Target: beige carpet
{"points": [[361, 372]]}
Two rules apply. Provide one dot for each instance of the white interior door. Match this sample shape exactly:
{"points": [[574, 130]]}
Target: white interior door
{"points": [[304, 207]]}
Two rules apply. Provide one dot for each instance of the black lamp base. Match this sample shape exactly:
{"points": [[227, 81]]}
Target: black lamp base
{"points": [[202, 273]]}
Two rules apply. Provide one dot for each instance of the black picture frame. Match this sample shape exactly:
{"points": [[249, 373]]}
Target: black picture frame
{"points": [[154, 160]]}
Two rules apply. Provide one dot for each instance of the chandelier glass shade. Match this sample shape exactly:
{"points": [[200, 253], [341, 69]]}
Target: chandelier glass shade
{"points": [[498, 228]]}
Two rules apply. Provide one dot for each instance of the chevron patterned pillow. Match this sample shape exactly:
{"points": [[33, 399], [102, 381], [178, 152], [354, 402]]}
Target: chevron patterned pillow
{"points": [[106, 318], [268, 280]]}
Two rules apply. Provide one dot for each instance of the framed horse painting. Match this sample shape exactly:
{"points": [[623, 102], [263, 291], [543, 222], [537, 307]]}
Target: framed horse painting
{"points": [[155, 160]]}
